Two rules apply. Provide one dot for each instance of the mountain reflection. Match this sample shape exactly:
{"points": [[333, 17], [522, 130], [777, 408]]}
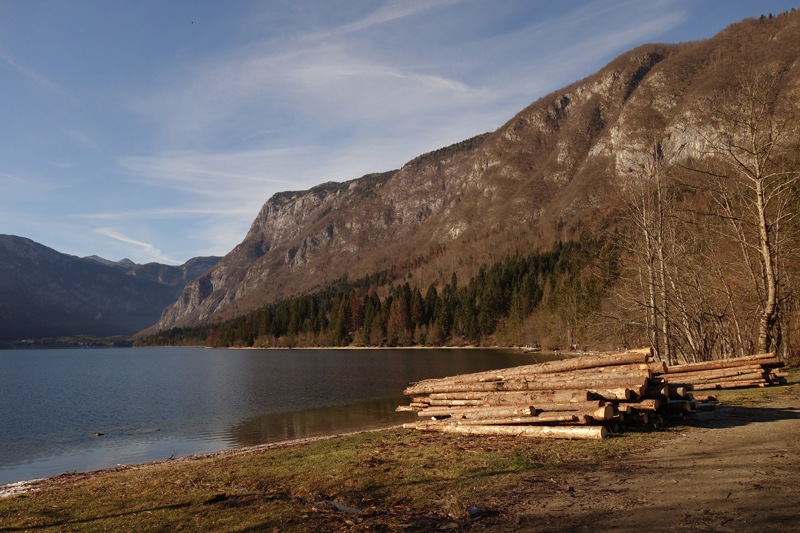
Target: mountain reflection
{"points": [[320, 421]]}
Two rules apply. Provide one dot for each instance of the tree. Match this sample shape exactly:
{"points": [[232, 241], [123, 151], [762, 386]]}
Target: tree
{"points": [[749, 153]]}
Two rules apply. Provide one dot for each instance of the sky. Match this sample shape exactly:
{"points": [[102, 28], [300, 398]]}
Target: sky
{"points": [[155, 131]]}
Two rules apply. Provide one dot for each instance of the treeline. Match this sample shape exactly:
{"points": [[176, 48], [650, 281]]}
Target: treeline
{"points": [[569, 281]]}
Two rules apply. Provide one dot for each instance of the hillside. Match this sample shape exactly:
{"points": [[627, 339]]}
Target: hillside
{"points": [[44, 293], [552, 171]]}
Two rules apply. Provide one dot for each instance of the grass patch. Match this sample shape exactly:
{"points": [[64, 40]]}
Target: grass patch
{"points": [[395, 477], [751, 397]]}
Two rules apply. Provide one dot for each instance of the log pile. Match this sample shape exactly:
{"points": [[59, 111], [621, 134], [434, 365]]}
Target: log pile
{"points": [[580, 398], [750, 371]]}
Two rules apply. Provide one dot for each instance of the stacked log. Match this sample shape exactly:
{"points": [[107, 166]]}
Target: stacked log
{"points": [[579, 398], [749, 371], [568, 399]]}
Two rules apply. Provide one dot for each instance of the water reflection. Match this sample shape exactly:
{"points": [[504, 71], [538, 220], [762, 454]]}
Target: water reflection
{"points": [[317, 422], [52, 402]]}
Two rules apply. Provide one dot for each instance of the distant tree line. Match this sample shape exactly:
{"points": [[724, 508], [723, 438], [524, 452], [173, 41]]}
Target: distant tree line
{"points": [[570, 281]]}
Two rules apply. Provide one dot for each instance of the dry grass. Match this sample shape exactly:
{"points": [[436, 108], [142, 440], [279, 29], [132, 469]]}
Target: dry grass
{"points": [[394, 477]]}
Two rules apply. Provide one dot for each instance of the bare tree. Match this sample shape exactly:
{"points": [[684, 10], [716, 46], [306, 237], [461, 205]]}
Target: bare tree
{"points": [[748, 156]]}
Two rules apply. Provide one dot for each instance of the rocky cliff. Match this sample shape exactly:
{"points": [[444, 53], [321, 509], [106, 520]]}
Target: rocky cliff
{"points": [[550, 172]]}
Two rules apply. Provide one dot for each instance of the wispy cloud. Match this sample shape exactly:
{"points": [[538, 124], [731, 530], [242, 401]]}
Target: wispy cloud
{"points": [[394, 10], [147, 249]]}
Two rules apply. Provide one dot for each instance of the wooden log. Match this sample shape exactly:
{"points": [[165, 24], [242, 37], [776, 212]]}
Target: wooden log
{"points": [[516, 397], [511, 381], [660, 391], [404, 408], [720, 372], [679, 405], [677, 393], [721, 363], [536, 397], [565, 365], [659, 367], [563, 418], [642, 405], [543, 432], [602, 413], [640, 417], [593, 385], [455, 402], [616, 393], [705, 398], [477, 412], [568, 406]]}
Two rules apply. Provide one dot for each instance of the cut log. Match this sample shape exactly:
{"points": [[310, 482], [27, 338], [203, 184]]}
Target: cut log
{"points": [[680, 405], [642, 405], [563, 418], [570, 406], [721, 363], [565, 365], [616, 393], [545, 432], [478, 412], [455, 402], [516, 397]]}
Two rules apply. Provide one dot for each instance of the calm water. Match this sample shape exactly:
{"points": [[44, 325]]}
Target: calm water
{"points": [[149, 402]]}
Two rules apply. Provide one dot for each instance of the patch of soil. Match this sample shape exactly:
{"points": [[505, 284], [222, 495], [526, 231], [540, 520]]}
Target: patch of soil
{"points": [[738, 470]]}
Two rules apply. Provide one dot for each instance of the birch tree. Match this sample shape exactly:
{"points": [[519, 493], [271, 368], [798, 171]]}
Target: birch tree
{"points": [[750, 149]]}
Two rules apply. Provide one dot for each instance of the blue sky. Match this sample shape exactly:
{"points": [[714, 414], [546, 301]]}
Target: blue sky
{"points": [[156, 130]]}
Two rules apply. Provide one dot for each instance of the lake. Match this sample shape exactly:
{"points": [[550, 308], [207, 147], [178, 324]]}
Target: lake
{"points": [[151, 403]]}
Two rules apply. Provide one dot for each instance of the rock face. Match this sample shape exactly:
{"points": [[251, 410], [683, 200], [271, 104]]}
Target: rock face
{"points": [[549, 172], [44, 293]]}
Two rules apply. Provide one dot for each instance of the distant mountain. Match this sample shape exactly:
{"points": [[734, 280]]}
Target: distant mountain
{"points": [[551, 172], [44, 293], [165, 274]]}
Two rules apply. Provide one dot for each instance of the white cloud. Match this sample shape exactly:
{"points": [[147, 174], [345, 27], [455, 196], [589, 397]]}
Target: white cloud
{"points": [[147, 249]]}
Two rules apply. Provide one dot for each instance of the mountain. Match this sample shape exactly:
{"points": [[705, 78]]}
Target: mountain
{"points": [[44, 293], [551, 172], [165, 274]]}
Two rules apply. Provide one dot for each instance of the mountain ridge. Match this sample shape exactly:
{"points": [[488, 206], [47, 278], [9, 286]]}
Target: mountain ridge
{"points": [[552, 171], [44, 293]]}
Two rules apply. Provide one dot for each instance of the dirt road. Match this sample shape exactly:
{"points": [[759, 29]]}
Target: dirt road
{"points": [[737, 471]]}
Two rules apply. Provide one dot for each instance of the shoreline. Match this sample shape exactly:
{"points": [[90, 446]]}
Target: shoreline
{"points": [[30, 485]]}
